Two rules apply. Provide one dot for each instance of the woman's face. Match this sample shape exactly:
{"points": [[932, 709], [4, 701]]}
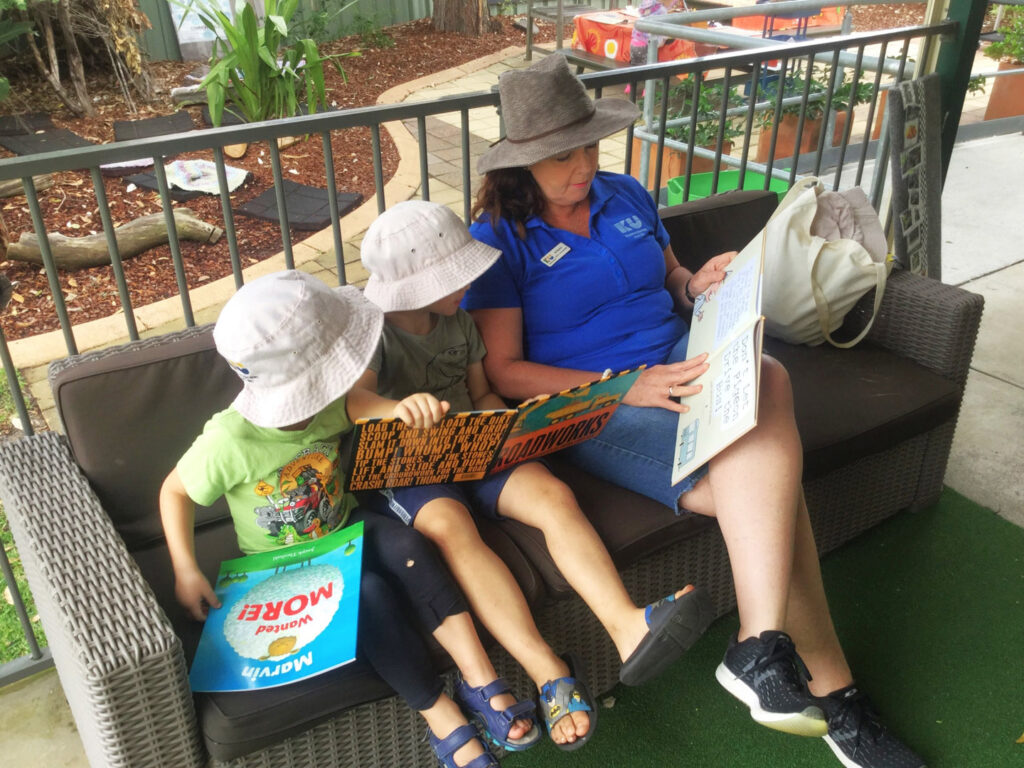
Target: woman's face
{"points": [[565, 179]]}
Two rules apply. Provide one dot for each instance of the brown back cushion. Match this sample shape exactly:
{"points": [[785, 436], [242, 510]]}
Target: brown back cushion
{"points": [[704, 228], [130, 412]]}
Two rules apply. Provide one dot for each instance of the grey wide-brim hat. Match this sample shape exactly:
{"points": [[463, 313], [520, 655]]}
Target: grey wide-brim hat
{"points": [[547, 111]]}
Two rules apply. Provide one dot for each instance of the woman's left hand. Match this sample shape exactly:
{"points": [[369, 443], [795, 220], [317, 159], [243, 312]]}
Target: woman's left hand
{"points": [[712, 273]]}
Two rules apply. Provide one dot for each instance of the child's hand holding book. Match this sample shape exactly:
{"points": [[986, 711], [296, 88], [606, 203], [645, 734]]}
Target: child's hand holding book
{"points": [[421, 410]]}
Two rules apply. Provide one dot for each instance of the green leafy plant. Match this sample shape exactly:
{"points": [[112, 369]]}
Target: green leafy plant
{"points": [[10, 31], [709, 112], [257, 67], [1011, 47], [370, 33], [793, 86]]}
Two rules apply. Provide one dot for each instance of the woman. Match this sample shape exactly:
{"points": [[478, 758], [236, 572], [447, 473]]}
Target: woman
{"points": [[588, 281]]}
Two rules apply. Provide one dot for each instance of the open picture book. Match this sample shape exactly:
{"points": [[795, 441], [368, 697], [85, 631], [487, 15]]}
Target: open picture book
{"points": [[727, 324], [385, 453], [285, 615]]}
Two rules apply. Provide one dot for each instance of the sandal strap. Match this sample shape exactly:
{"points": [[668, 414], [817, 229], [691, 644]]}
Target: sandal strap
{"points": [[477, 700], [562, 697], [446, 747]]}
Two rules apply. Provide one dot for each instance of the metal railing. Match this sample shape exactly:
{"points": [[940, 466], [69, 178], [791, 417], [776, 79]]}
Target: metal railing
{"points": [[729, 68]]}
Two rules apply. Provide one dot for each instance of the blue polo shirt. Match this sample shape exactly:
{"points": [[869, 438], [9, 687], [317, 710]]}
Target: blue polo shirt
{"points": [[588, 303]]}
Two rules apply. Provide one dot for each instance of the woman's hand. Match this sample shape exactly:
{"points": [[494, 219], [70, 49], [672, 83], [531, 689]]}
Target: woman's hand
{"points": [[712, 273], [421, 410], [660, 386]]}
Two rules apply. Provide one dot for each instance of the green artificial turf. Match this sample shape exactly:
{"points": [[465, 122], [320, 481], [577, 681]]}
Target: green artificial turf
{"points": [[930, 610]]}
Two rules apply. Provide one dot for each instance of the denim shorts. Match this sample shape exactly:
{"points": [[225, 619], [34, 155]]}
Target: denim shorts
{"points": [[480, 497], [636, 448]]}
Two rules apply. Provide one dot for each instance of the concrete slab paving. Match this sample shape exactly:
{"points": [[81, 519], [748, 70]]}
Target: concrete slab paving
{"points": [[980, 222], [988, 452]]}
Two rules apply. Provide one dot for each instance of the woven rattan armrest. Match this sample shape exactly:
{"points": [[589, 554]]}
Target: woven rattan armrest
{"points": [[929, 322], [120, 664]]}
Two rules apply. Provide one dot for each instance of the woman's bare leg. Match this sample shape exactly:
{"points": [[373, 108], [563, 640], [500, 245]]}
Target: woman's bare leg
{"points": [[753, 488]]}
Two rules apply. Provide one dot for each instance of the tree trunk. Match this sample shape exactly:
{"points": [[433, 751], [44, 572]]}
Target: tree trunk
{"points": [[13, 187], [75, 67], [71, 253], [50, 72], [466, 17]]}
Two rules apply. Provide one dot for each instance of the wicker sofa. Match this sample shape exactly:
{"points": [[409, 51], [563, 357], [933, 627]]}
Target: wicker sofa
{"points": [[877, 422]]}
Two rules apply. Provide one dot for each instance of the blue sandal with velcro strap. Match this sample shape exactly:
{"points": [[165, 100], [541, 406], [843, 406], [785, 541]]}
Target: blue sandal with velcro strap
{"points": [[446, 748], [493, 723]]}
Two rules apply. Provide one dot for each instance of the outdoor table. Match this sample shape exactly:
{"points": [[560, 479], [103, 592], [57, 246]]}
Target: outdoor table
{"points": [[607, 33], [826, 18]]}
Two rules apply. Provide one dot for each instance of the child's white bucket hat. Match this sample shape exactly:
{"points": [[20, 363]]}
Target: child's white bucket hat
{"points": [[297, 344], [418, 252]]}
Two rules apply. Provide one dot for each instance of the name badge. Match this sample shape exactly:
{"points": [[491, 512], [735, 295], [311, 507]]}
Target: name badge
{"points": [[551, 257]]}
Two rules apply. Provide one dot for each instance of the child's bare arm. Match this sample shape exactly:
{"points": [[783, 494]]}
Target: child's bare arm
{"points": [[420, 410], [480, 392], [177, 513]]}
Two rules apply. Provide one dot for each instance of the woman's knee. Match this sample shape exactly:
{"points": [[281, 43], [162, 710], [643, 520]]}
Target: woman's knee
{"points": [[775, 381]]}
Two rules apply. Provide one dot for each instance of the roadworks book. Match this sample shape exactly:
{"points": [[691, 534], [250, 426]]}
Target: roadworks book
{"points": [[285, 615], [384, 453], [728, 325]]}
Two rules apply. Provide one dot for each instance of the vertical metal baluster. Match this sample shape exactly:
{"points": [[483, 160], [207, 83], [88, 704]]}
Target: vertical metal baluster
{"points": [[825, 139], [15, 389], [332, 200], [378, 167], [172, 241], [691, 134], [467, 183], [51, 270], [848, 132], [661, 140], [282, 206], [421, 138], [19, 606], [804, 98], [114, 252], [723, 117], [633, 87], [872, 106], [229, 216]]}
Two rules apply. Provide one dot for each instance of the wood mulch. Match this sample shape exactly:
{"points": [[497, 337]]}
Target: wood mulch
{"points": [[70, 206]]}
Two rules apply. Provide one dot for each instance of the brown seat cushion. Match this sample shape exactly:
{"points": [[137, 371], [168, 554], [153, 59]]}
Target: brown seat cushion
{"points": [[129, 414]]}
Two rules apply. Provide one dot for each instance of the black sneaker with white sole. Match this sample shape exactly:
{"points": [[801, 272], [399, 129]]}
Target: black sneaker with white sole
{"points": [[858, 737], [764, 673]]}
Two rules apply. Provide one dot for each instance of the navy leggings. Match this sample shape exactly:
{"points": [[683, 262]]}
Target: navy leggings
{"points": [[401, 573]]}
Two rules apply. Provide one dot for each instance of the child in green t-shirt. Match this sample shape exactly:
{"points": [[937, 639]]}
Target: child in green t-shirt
{"points": [[421, 260], [299, 346]]}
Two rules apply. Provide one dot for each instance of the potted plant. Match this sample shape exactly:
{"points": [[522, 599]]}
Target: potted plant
{"points": [[814, 115], [705, 129], [1007, 97], [256, 66]]}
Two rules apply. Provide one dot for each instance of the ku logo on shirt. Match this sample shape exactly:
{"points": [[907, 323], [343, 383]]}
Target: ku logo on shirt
{"points": [[631, 227]]}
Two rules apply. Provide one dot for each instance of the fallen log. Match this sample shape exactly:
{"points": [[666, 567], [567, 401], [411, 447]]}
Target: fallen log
{"points": [[71, 253], [12, 187]]}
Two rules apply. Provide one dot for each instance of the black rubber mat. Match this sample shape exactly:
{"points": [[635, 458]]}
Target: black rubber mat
{"points": [[14, 125], [308, 207], [230, 116], [126, 130], [48, 141]]}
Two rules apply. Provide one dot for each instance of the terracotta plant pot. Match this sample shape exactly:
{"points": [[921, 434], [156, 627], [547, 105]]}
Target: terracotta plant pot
{"points": [[785, 144], [673, 162], [1007, 97]]}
